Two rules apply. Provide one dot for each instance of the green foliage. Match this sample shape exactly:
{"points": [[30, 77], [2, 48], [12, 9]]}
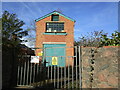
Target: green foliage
{"points": [[98, 39], [12, 31], [113, 41]]}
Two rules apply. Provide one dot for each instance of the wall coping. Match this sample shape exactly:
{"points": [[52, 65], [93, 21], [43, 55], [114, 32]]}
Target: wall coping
{"points": [[101, 47], [55, 33], [54, 42]]}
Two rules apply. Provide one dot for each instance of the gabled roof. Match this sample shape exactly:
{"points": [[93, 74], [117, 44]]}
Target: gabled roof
{"points": [[54, 12]]}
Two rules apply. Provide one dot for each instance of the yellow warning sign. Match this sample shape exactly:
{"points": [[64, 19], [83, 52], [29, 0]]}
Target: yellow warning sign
{"points": [[40, 53], [54, 61]]}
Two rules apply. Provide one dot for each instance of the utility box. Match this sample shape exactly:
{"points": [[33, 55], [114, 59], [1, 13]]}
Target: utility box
{"points": [[55, 38]]}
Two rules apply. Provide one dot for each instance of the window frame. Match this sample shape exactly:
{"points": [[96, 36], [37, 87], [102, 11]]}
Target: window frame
{"points": [[52, 18], [61, 29]]}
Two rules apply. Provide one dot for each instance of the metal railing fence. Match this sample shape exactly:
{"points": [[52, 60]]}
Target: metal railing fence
{"points": [[51, 76]]}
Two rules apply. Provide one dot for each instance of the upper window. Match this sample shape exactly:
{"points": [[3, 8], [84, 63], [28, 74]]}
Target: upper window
{"points": [[55, 27], [55, 17]]}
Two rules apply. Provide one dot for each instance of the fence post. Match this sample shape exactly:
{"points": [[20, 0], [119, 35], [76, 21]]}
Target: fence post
{"points": [[80, 66]]}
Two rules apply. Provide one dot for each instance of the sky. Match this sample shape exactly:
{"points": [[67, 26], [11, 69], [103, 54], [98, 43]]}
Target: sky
{"points": [[89, 16]]}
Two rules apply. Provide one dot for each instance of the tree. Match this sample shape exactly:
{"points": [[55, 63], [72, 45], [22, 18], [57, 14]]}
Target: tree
{"points": [[31, 38], [113, 41], [91, 39], [12, 31], [99, 38]]}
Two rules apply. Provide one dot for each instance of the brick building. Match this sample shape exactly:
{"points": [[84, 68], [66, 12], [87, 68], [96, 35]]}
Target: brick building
{"points": [[55, 32]]}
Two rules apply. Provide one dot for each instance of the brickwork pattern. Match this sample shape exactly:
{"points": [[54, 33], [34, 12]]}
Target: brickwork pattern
{"points": [[69, 38], [105, 73]]}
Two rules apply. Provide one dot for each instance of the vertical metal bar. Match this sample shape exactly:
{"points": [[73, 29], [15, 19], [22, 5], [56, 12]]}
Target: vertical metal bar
{"points": [[54, 65], [54, 76], [21, 73], [48, 66], [37, 71], [61, 77], [28, 71], [45, 64], [58, 77], [24, 72], [80, 67], [65, 69], [48, 70], [65, 76], [37, 68], [76, 67], [51, 73], [40, 70], [68, 71], [34, 74], [72, 75], [18, 71]]}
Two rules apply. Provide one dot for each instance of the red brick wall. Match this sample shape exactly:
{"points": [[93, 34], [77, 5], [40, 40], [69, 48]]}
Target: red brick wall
{"points": [[54, 38], [105, 72], [69, 38]]}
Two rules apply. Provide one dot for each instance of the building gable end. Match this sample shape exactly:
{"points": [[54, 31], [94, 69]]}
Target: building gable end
{"points": [[54, 13]]}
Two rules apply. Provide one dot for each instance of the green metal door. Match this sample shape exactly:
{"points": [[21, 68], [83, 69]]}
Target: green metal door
{"points": [[55, 51]]}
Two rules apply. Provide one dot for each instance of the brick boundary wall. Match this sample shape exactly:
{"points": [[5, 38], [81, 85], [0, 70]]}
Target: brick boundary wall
{"points": [[100, 67]]}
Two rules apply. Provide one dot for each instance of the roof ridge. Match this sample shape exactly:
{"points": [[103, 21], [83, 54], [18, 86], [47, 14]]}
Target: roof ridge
{"points": [[53, 13]]}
